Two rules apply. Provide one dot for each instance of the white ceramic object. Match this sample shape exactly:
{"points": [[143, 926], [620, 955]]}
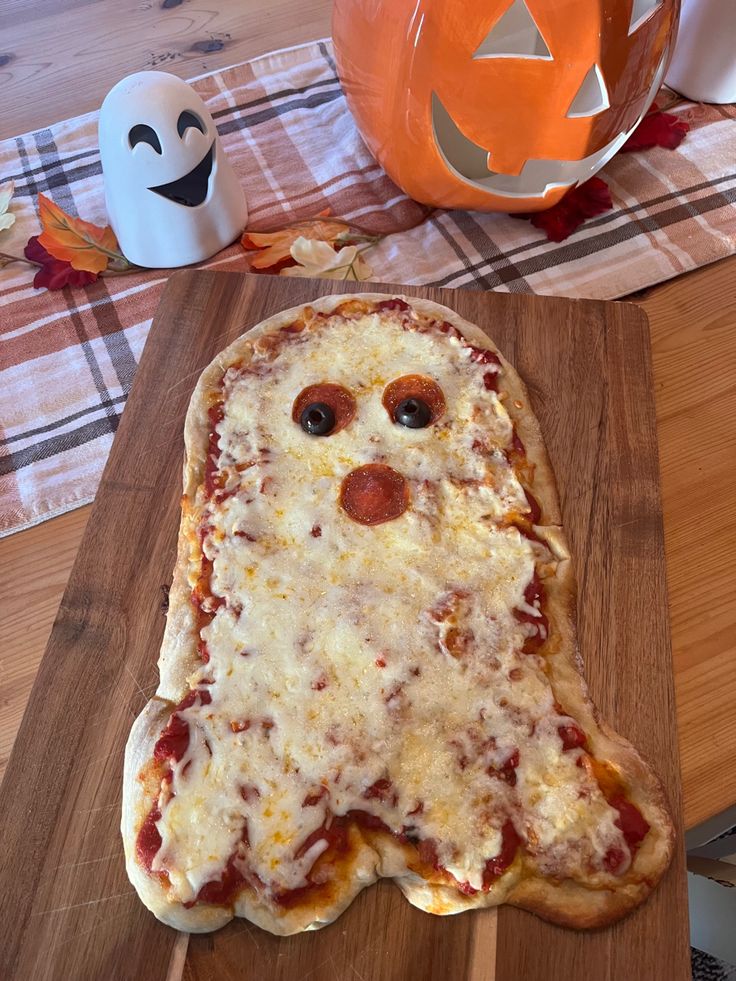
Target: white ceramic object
{"points": [[172, 196], [703, 66]]}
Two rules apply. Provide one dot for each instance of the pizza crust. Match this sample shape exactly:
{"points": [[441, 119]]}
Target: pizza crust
{"points": [[566, 903]]}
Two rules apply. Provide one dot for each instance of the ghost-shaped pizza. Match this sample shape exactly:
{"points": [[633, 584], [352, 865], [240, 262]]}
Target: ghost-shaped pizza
{"points": [[369, 662]]}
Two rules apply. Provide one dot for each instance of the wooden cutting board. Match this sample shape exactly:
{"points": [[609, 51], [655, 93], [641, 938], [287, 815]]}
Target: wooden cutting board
{"points": [[68, 910]]}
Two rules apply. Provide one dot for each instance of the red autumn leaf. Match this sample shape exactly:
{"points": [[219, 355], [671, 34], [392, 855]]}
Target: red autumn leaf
{"points": [[657, 128], [54, 274], [562, 219]]}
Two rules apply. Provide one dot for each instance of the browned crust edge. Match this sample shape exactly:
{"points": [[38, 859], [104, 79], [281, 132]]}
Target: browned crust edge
{"points": [[566, 903]]}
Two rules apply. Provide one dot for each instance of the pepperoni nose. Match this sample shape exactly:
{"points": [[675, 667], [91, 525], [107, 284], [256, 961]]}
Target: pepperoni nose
{"points": [[373, 494]]}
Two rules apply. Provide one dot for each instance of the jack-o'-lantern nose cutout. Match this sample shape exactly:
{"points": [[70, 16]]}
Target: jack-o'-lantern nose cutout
{"points": [[591, 97], [515, 35], [373, 494]]}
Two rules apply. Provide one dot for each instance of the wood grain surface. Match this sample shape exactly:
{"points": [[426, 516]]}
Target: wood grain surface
{"points": [[58, 58], [68, 910], [36, 568], [694, 354]]}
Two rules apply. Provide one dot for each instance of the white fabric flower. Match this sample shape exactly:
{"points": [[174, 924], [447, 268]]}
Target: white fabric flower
{"points": [[6, 193], [319, 259]]}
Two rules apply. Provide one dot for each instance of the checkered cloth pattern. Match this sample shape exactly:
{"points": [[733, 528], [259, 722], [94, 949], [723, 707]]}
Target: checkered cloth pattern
{"points": [[67, 359]]}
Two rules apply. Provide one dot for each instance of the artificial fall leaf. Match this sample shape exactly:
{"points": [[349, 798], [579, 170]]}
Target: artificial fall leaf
{"points": [[581, 202], [6, 193], [276, 246], [54, 274], [657, 128], [320, 259], [87, 247]]}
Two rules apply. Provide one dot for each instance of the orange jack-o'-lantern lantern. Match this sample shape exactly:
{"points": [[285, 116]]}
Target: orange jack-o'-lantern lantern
{"points": [[499, 105]]}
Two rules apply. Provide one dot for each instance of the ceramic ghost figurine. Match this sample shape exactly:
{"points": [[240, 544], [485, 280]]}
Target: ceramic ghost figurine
{"points": [[172, 196]]}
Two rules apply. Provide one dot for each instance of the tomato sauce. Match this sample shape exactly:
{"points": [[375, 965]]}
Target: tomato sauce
{"points": [[572, 736], [148, 841], [213, 480], [534, 596], [510, 842]]}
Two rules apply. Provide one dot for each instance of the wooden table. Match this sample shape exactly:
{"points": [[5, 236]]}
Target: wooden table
{"points": [[693, 324]]}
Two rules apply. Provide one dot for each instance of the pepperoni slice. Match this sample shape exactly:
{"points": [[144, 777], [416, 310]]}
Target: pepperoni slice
{"points": [[373, 494], [414, 387], [339, 399]]}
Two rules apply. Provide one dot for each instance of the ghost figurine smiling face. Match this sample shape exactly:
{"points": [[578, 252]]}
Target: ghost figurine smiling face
{"points": [[172, 196]]}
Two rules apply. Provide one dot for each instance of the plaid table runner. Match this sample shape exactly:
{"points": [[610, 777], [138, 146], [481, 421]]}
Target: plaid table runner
{"points": [[67, 359]]}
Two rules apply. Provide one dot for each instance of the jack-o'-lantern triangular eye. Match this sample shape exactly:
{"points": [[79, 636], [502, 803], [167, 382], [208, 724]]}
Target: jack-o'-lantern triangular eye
{"points": [[641, 11], [515, 35], [591, 97]]}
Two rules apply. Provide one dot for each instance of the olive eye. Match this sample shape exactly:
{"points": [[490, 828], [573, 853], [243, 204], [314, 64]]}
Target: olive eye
{"points": [[144, 134], [414, 401], [414, 413], [323, 409], [187, 119], [317, 419]]}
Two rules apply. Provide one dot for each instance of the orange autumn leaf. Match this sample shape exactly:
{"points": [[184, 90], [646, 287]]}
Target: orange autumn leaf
{"points": [[86, 246], [276, 246]]}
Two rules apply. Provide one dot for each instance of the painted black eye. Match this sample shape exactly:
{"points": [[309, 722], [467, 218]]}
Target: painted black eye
{"points": [[413, 413], [144, 134], [317, 419], [187, 119]]}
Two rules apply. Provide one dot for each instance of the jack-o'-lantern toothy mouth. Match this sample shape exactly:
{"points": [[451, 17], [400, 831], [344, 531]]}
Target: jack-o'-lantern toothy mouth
{"points": [[191, 189], [469, 162]]}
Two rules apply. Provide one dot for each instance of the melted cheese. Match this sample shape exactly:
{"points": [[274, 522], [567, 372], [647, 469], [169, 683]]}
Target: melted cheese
{"points": [[371, 667]]}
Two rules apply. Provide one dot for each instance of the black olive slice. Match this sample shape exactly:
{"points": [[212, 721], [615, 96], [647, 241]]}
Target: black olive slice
{"points": [[414, 413], [317, 419]]}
